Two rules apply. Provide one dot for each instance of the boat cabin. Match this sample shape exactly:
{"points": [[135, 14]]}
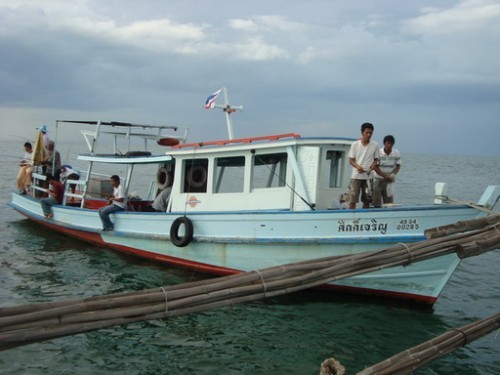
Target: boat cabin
{"points": [[284, 172], [278, 172]]}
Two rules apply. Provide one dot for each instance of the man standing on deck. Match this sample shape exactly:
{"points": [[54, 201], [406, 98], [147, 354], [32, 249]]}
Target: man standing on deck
{"points": [[116, 203], [45, 138], [363, 157], [53, 160], [390, 163]]}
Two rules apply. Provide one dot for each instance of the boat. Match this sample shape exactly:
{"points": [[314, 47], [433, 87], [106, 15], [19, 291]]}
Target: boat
{"points": [[243, 204]]}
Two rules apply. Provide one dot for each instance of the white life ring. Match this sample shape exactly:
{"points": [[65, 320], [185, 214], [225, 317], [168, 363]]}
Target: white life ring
{"points": [[162, 178], [197, 176]]}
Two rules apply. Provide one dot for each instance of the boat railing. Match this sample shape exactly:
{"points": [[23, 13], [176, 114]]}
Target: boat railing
{"points": [[38, 185], [239, 140], [129, 131], [39, 189], [79, 193]]}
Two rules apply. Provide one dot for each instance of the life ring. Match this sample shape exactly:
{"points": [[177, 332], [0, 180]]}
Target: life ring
{"points": [[188, 232], [197, 176], [168, 141], [162, 178]]}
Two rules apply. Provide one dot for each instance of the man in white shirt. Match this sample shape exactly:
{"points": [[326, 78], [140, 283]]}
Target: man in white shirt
{"points": [[363, 157], [25, 170], [390, 163], [116, 203]]}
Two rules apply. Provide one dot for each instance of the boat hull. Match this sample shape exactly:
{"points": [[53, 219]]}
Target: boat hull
{"points": [[230, 242]]}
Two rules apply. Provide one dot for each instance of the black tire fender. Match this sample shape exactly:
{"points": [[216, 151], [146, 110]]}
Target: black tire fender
{"points": [[188, 231]]}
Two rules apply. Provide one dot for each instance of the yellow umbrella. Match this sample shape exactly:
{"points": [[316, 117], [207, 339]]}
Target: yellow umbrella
{"points": [[38, 154]]}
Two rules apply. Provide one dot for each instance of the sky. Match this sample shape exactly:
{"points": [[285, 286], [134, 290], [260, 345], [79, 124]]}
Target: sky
{"points": [[427, 72]]}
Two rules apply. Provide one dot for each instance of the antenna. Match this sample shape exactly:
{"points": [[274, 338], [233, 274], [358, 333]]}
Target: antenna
{"points": [[226, 107]]}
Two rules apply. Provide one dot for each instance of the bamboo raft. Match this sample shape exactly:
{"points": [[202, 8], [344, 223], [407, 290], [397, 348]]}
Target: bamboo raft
{"points": [[21, 325]]}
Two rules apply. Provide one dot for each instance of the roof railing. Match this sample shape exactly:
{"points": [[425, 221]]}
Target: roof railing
{"points": [[239, 140]]}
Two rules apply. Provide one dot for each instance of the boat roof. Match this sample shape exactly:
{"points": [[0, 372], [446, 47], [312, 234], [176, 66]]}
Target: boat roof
{"points": [[120, 124], [131, 158], [271, 141], [176, 144]]}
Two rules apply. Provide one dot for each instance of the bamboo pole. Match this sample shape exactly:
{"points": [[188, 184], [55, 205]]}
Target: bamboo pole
{"points": [[462, 226], [27, 324], [418, 356]]}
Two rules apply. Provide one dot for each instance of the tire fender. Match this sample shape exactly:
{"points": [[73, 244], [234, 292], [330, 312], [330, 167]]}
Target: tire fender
{"points": [[188, 232]]}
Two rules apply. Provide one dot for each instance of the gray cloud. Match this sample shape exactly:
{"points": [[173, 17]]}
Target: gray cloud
{"points": [[315, 67]]}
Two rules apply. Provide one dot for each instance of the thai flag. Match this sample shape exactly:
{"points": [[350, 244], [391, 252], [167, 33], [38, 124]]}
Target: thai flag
{"points": [[211, 99]]}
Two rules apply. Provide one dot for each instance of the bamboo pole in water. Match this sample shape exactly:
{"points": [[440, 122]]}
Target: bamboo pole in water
{"points": [[26, 324], [413, 358]]}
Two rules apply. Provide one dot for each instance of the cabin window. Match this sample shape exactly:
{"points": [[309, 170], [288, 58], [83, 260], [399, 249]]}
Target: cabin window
{"points": [[229, 174], [334, 161], [195, 175], [269, 171]]}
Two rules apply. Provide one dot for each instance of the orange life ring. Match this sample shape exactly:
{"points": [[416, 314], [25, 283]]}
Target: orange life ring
{"points": [[168, 141]]}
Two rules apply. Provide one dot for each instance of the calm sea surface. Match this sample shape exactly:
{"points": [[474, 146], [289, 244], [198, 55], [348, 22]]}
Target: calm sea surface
{"points": [[288, 335]]}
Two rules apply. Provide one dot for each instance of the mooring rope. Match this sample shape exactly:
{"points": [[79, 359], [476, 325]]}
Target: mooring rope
{"points": [[166, 299], [410, 258], [263, 282], [470, 204], [466, 341]]}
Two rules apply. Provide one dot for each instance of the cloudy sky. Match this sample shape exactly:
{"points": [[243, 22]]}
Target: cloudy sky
{"points": [[427, 72]]}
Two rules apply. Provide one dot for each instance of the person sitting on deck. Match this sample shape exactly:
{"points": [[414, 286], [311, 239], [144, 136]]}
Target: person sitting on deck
{"points": [[116, 203], [161, 201], [25, 170], [56, 193]]}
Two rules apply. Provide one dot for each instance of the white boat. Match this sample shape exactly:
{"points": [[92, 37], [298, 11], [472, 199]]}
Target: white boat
{"points": [[245, 204]]}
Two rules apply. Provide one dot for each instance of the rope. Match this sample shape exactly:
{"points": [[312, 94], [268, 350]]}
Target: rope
{"points": [[463, 334], [189, 190], [497, 227], [166, 299], [311, 205], [410, 257], [470, 204], [263, 282]]}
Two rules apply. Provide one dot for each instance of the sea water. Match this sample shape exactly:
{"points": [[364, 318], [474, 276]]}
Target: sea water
{"points": [[288, 335]]}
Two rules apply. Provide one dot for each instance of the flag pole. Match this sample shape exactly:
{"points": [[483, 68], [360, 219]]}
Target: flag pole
{"points": [[227, 108]]}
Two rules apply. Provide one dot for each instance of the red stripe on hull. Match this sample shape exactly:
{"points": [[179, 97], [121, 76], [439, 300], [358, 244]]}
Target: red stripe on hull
{"points": [[407, 297]]}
